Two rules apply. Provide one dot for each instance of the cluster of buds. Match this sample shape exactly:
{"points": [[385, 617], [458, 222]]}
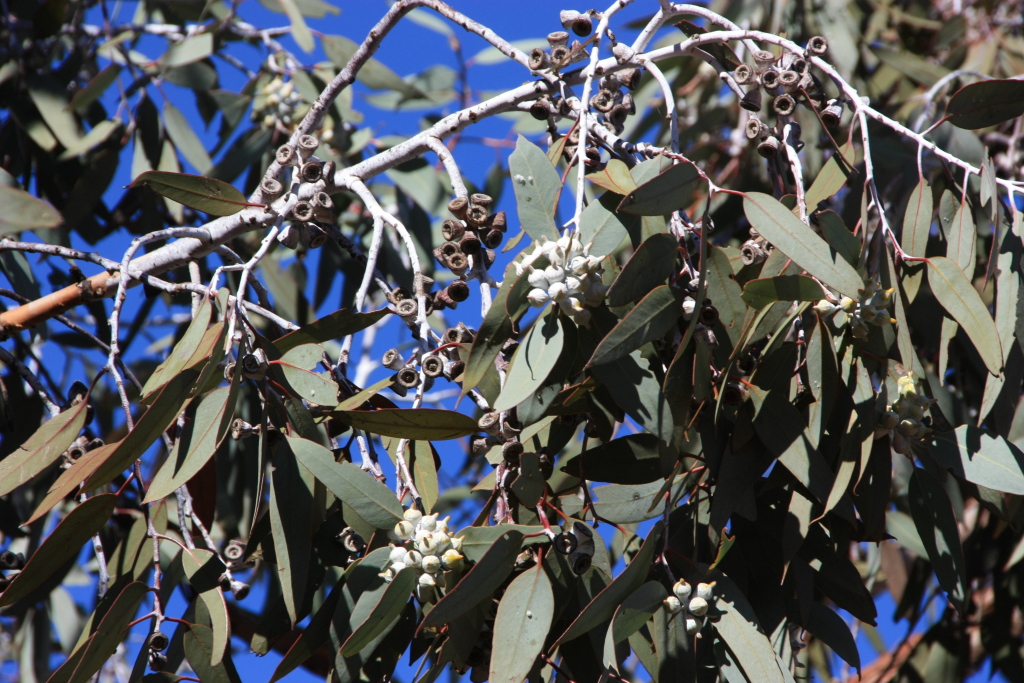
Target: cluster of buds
{"points": [[905, 419], [572, 279], [790, 82], [695, 606], [474, 233], [424, 542], [278, 103], [872, 308]]}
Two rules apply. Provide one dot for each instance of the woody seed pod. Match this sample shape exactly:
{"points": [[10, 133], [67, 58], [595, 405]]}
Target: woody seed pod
{"points": [[770, 79], [582, 25], [817, 45], [458, 207], [314, 236], [235, 551], [510, 451], [755, 128], [157, 661], [734, 394], [499, 222], [558, 39], [784, 105], [286, 155], [458, 263], [307, 145], [603, 101], [832, 114], [541, 109], [798, 65], [289, 235], [492, 239], [255, 365], [392, 360], [623, 53], [742, 74], [490, 423], [432, 366], [629, 103], [453, 230], [239, 590], [455, 369], [789, 80], [406, 309], [566, 17], [449, 249], [311, 172], [559, 55], [302, 211], [753, 250], [764, 59], [456, 292], [271, 188], [617, 116], [476, 216], [407, 378], [469, 244], [769, 147], [708, 316], [481, 199], [629, 77], [752, 100], [538, 59], [158, 641], [323, 207], [398, 294]]}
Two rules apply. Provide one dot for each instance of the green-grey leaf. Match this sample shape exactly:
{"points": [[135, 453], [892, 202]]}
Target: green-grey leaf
{"points": [[532, 361], [651, 264], [521, 625], [831, 177], [982, 458], [422, 424], [957, 295], [667, 192], [937, 526], [23, 212], [784, 230], [203, 569], [984, 104], [602, 228], [209, 195], [537, 186], [740, 631], [760, 293], [42, 448], [650, 319], [631, 459], [392, 602]]}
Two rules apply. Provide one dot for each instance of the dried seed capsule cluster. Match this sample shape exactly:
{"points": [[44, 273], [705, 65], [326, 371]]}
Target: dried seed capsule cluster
{"points": [[424, 542], [905, 418], [475, 233], [572, 279], [694, 603], [790, 82], [872, 308]]}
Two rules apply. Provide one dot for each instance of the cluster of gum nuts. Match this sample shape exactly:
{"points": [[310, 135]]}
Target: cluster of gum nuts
{"points": [[905, 419], [872, 308], [695, 605], [424, 542], [572, 279]]}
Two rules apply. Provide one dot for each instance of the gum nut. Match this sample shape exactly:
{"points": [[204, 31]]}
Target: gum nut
{"points": [[441, 541], [538, 297], [452, 559], [672, 604], [554, 274], [558, 292], [578, 265], [573, 284], [412, 515], [698, 606], [398, 553], [431, 564], [916, 412], [427, 546], [565, 242], [595, 293], [403, 530], [428, 522], [688, 307], [397, 567], [538, 279], [868, 314], [457, 542], [594, 263], [682, 589], [824, 307], [907, 427], [704, 590], [582, 317], [412, 559], [420, 535], [848, 304], [889, 419], [691, 626], [427, 580]]}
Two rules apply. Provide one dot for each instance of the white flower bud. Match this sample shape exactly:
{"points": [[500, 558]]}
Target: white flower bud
{"points": [[442, 524], [704, 590], [554, 274], [574, 285], [427, 580], [672, 604], [698, 606], [428, 522], [412, 559], [848, 304], [688, 307], [397, 554], [452, 559], [403, 530], [397, 567], [538, 279], [427, 545], [431, 564], [691, 626], [457, 542], [579, 265], [582, 318], [412, 515], [558, 292], [538, 297], [441, 541], [682, 589]]}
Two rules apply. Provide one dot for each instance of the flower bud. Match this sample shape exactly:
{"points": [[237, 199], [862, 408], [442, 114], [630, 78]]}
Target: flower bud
{"points": [[428, 522], [682, 589], [704, 590], [672, 605], [452, 559], [404, 530], [691, 626], [698, 606], [558, 292], [431, 564]]}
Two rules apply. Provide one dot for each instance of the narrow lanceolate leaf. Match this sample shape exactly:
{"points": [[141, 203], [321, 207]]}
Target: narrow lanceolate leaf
{"points": [[917, 220], [372, 500], [203, 570], [183, 354], [602, 228], [198, 646], [830, 628], [831, 177], [477, 540], [42, 448], [604, 604], [667, 192], [385, 611], [332, 326], [357, 400], [22, 211], [521, 625], [739, 630], [291, 506], [532, 361], [637, 609], [64, 543], [957, 295], [108, 635], [537, 186], [197, 445], [984, 104], [632, 459], [650, 319], [779, 226], [982, 458], [760, 293], [651, 264], [479, 583], [313, 636], [208, 195], [95, 88], [936, 524], [422, 424]]}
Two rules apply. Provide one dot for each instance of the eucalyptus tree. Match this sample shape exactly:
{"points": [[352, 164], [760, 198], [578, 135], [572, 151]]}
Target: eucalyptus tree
{"points": [[724, 351]]}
